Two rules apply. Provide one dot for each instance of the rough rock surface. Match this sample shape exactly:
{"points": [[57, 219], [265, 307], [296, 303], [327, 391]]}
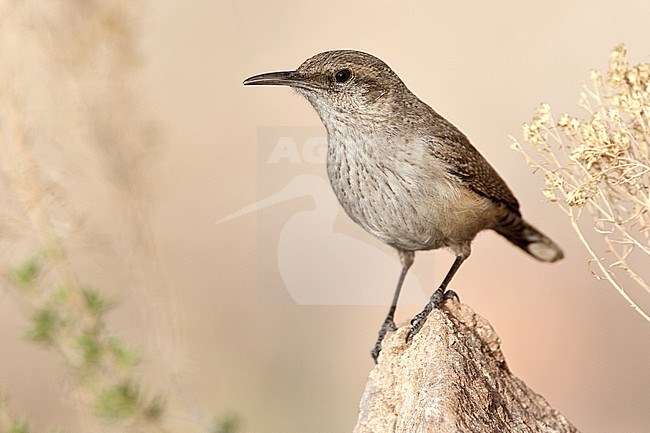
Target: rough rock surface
{"points": [[452, 378]]}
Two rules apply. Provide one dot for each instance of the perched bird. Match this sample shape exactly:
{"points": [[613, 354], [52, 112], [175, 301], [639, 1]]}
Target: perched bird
{"points": [[402, 171]]}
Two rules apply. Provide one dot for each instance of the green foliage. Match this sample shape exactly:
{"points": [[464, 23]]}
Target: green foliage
{"points": [[44, 324], [125, 355], [19, 427], [61, 294], [96, 304], [228, 424], [25, 274], [90, 347], [119, 401]]}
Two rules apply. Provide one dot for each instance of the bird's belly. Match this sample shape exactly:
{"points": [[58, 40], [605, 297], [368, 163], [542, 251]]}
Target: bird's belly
{"points": [[432, 213]]}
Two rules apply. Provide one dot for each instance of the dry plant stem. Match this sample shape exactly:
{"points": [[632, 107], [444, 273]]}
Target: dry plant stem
{"points": [[623, 264], [602, 164], [606, 272], [28, 188], [26, 185]]}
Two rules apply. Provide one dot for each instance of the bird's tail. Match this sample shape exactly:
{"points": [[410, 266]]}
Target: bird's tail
{"points": [[513, 227]]}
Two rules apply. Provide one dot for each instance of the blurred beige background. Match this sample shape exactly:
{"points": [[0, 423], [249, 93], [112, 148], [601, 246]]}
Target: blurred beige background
{"points": [[249, 347]]}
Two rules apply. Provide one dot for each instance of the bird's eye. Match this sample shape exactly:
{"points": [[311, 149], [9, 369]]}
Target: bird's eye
{"points": [[343, 75]]}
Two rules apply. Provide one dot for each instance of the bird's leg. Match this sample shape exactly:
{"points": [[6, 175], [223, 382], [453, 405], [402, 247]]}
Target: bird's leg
{"points": [[389, 324], [437, 299]]}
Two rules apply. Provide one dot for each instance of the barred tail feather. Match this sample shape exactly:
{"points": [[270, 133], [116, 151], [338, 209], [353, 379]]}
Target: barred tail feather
{"points": [[512, 227]]}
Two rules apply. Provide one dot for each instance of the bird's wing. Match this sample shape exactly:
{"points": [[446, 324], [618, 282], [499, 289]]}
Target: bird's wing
{"points": [[469, 166]]}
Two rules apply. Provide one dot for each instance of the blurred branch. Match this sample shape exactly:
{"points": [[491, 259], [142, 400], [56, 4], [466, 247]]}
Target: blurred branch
{"points": [[451, 378], [72, 152]]}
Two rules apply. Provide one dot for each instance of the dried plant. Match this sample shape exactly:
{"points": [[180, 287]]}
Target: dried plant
{"points": [[73, 163], [599, 166]]}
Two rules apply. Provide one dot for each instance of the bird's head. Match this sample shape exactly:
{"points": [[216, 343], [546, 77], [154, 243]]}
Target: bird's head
{"points": [[342, 83]]}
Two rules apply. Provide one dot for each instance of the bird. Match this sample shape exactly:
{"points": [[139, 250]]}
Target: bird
{"points": [[403, 172]]}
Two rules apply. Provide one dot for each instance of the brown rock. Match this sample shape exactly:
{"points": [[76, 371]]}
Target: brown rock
{"points": [[452, 378]]}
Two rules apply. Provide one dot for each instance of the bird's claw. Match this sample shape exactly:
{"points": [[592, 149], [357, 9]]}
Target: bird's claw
{"points": [[388, 325], [450, 294], [375, 351], [418, 321], [437, 299]]}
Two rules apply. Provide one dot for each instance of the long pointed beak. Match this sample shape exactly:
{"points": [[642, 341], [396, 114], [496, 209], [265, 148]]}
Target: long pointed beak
{"points": [[283, 78]]}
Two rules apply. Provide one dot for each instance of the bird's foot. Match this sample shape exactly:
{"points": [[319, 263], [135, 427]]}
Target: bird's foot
{"points": [[437, 299], [388, 325], [450, 294]]}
